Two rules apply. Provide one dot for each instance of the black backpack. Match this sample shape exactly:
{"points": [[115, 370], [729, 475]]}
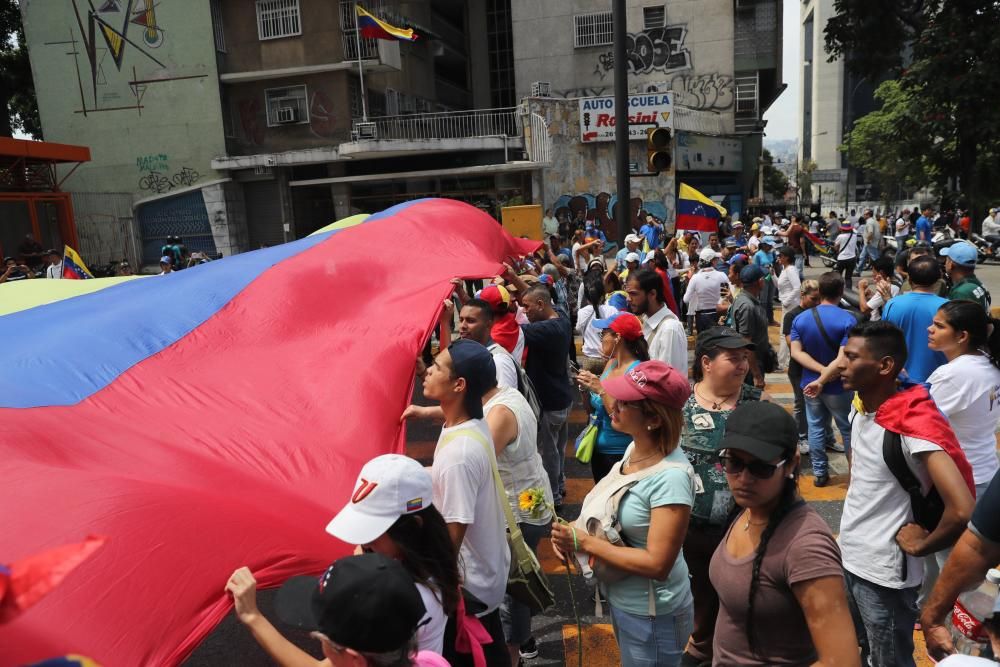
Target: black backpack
{"points": [[927, 509]]}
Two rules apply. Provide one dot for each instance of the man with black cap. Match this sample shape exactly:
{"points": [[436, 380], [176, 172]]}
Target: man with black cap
{"points": [[55, 264], [464, 489], [751, 320], [364, 610]]}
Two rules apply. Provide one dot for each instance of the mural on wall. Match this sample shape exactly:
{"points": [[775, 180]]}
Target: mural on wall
{"points": [[253, 118], [601, 209], [653, 50], [110, 33]]}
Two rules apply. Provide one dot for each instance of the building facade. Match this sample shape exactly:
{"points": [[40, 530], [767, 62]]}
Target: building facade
{"points": [[720, 60]]}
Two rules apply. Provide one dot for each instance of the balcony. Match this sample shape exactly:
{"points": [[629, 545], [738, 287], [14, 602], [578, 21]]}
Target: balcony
{"points": [[451, 131]]}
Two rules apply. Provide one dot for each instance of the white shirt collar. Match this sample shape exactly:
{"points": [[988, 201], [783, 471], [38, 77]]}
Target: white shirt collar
{"points": [[663, 314]]}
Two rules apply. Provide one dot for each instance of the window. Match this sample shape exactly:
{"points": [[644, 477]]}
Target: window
{"points": [[287, 106], [220, 36], [592, 30], [654, 17], [278, 18]]}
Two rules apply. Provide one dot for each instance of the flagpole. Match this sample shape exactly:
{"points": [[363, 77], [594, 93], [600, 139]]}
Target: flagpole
{"points": [[361, 70]]}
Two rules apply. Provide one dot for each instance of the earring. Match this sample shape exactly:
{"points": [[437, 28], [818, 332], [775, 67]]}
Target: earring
{"points": [[649, 428]]}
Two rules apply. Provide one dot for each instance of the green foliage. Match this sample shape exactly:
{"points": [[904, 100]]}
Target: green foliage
{"points": [[805, 181], [939, 119], [775, 182], [18, 107]]}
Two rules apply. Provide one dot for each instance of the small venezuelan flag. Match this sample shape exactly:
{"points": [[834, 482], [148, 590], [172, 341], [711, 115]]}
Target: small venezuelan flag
{"points": [[374, 28], [73, 266], [696, 212]]}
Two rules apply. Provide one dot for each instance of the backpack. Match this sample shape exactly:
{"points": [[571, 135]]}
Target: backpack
{"points": [[927, 510], [524, 385]]}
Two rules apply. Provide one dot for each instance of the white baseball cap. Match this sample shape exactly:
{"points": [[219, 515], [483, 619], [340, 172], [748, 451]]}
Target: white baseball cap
{"points": [[388, 487], [707, 255], [633, 238], [632, 257]]}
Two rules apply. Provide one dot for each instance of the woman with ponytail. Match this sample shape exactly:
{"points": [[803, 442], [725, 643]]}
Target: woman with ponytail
{"points": [[967, 388], [777, 571]]}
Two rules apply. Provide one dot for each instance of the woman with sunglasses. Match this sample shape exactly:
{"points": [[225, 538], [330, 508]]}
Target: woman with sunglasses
{"points": [[653, 515], [721, 362], [778, 570], [623, 346]]}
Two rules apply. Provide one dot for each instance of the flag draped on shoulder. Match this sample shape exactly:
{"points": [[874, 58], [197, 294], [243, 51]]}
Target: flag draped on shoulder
{"points": [[372, 27], [73, 266], [696, 212]]}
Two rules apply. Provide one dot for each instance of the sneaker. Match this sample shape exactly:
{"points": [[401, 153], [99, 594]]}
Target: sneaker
{"points": [[529, 649], [835, 447], [803, 447], [821, 481]]}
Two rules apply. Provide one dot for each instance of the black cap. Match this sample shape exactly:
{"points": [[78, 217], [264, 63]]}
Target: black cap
{"points": [[726, 337], [473, 362], [368, 603], [762, 429]]}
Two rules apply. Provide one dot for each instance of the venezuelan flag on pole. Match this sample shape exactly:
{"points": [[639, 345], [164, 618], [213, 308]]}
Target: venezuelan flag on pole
{"points": [[696, 212], [73, 266], [375, 28]]}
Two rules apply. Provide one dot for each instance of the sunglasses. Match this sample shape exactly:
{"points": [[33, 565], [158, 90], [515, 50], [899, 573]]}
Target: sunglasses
{"points": [[621, 405], [759, 469]]}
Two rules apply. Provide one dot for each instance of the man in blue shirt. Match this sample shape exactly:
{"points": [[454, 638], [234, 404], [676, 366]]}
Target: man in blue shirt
{"points": [[818, 338], [925, 226], [652, 231], [913, 312]]}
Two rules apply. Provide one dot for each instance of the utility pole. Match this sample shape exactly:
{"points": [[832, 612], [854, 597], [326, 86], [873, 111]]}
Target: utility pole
{"points": [[624, 206]]}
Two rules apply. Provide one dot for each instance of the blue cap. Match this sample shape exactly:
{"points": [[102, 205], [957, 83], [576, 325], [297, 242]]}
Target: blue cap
{"points": [[473, 362], [962, 252], [751, 274], [618, 300], [769, 240]]}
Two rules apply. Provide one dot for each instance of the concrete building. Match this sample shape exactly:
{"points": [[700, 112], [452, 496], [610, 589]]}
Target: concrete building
{"points": [[240, 123], [831, 99], [720, 60]]}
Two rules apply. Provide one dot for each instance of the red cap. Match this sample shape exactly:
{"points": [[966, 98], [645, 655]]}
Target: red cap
{"points": [[622, 323], [654, 380], [497, 296]]}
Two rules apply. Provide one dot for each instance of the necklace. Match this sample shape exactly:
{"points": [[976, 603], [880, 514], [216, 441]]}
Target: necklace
{"points": [[748, 523], [644, 458], [716, 405]]}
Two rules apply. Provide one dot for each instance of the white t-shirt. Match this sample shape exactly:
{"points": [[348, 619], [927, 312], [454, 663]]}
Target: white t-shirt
{"points": [[592, 335], [990, 226], [905, 229], [54, 271], [430, 635], [847, 245], [753, 244], [667, 339], [958, 660], [789, 285], [580, 258], [506, 366], [967, 391], [876, 302], [705, 289], [465, 492], [520, 464], [876, 508]]}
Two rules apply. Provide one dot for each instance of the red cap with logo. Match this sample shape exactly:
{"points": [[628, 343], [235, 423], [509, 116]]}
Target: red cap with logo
{"points": [[654, 380]]}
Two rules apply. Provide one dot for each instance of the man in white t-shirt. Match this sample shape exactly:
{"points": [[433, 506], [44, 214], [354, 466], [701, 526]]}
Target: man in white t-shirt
{"points": [[54, 269], [880, 543], [704, 290], [663, 331], [464, 488], [474, 323]]}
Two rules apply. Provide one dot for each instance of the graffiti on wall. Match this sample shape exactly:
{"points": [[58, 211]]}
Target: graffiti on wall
{"points": [[112, 40], [156, 162], [601, 209], [653, 50], [705, 92], [158, 183]]}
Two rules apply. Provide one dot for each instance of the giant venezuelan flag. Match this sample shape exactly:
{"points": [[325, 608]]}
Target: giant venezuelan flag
{"points": [[696, 212], [212, 418], [373, 27]]}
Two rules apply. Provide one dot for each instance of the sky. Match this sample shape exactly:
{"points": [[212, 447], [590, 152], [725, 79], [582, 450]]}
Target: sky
{"points": [[782, 117]]}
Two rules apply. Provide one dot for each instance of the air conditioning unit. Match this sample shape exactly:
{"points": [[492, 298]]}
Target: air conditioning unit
{"points": [[288, 114], [541, 89], [365, 131]]}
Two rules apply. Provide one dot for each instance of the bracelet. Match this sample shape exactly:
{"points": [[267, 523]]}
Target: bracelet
{"points": [[576, 543]]}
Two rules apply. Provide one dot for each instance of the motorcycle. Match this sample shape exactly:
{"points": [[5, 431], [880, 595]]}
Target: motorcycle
{"points": [[986, 250]]}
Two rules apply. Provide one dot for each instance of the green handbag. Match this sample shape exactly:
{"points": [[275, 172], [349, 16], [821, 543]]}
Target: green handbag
{"points": [[587, 441]]}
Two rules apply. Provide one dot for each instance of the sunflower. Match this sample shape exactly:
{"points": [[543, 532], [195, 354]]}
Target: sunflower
{"points": [[527, 500]]}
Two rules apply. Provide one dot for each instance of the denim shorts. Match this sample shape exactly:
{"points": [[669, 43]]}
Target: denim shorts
{"points": [[652, 641]]}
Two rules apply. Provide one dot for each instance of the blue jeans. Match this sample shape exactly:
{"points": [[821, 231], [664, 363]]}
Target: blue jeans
{"points": [[516, 616], [883, 619], [819, 410], [869, 254], [800, 263], [652, 641], [553, 432]]}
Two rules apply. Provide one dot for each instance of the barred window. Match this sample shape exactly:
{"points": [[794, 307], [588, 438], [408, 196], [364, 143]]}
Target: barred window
{"points": [[592, 30], [278, 18], [287, 105]]}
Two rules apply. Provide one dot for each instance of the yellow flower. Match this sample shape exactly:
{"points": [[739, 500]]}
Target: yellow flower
{"points": [[526, 501]]}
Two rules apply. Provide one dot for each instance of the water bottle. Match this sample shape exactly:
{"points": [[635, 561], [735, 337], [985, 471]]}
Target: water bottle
{"points": [[967, 616]]}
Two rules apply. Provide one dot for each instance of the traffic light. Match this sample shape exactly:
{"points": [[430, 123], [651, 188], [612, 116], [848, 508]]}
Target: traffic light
{"points": [[658, 157]]}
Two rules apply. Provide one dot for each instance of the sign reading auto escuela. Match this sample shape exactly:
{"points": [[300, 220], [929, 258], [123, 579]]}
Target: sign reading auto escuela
{"points": [[597, 116]]}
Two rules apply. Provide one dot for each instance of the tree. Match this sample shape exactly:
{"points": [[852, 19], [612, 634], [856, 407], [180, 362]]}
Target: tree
{"points": [[890, 145], [943, 54], [775, 182], [804, 181], [18, 107]]}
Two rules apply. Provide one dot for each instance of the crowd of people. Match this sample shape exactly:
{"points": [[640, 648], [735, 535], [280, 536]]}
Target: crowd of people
{"points": [[695, 533]]}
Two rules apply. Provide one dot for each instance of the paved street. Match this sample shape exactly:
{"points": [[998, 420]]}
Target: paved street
{"points": [[556, 630]]}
